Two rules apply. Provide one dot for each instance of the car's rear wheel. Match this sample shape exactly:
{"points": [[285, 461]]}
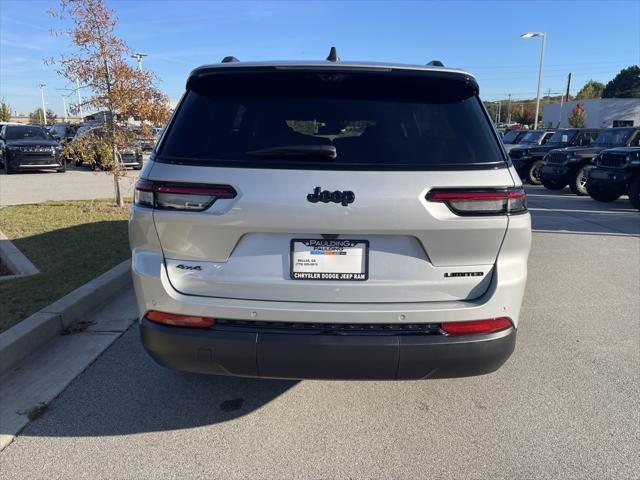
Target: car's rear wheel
{"points": [[634, 192], [602, 194], [552, 184], [533, 176], [578, 183]]}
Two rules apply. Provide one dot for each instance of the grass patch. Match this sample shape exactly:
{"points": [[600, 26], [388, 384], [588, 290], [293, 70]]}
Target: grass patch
{"points": [[70, 243]]}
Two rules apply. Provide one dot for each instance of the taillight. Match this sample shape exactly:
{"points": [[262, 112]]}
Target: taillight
{"points": [[180, 196], [481, 202], [177, 320], [489, 325]]}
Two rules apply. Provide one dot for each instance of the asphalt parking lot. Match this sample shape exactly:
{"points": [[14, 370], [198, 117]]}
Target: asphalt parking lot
{"points": [[566, 405], [77, 183]]}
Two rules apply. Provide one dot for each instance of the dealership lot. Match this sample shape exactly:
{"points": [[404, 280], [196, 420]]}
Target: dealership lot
{"points": [[565, 405], [75, 184]]}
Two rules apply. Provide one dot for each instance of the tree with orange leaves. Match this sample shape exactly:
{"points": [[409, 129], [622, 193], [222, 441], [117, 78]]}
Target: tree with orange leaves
{"points": [[99, 63]]}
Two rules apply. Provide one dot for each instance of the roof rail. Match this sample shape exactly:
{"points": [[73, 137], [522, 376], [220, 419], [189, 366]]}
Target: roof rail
{"points": [[435, 63], [333, 55], [229, 59]]}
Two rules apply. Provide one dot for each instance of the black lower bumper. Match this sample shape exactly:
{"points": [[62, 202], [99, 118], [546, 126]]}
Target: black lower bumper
{"points": [[557, 173], [609, 179], [25, 161], [296, 355]]}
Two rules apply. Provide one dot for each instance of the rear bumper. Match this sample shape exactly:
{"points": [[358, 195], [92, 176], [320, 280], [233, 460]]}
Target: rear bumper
{"points": [[295, 355]]}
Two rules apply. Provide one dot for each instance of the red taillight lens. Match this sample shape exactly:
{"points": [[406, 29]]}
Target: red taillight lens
{"points": [[180, 320], [489, 325], [180, 196], [481, 202]]}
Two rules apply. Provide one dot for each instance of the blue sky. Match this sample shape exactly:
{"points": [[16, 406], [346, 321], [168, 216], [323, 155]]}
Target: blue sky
{"points": [[591, 39]]}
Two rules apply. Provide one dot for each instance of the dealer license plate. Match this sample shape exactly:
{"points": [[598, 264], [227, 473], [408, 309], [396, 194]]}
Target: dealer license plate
{"points": [[320, 259]]}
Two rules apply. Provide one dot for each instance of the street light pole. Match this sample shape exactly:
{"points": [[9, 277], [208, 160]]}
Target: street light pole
{"points": [[139, 56], [79, 99], [544, 43], [64, 106], [44, 111]]}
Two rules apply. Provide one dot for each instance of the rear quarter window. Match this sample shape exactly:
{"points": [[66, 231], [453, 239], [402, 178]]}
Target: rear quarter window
{"points": [[373, 123]]}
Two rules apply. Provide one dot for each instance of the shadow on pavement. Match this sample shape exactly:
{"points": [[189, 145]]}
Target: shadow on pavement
{"points": [[563, 212], [126, 392]]}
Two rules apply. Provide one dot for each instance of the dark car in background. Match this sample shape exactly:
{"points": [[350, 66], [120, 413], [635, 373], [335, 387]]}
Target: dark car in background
{"points": [[572, 164], [144, 139], [532, 138], [64, 132], [29, 147], [616, 173], [91, 135], [527, 159], [512, 137]]}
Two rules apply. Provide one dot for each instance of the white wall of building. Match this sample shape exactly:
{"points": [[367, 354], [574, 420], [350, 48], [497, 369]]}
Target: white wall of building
{"points": [[600, 112]]}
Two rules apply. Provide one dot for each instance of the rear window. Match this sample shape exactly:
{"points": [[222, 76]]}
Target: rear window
{"points": [[369, 122]]}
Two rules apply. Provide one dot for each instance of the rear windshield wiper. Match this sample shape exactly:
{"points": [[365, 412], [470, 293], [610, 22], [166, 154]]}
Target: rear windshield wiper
{"points": [[318, 152]]}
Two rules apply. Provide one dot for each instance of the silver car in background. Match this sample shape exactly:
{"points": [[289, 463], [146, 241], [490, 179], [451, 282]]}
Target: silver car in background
{"points": [[329, 220]]}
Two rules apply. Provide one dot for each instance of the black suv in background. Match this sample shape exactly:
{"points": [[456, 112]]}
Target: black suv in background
{"points": [[513, 137], [532, 138], [617, 172], [571, 165], [527, 160], [64, 132], [29, 147], [131, 156]]}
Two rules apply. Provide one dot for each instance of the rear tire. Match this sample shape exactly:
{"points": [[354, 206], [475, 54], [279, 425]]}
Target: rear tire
{"points": [[602, 194], [578, 183], [634, 193], [533, 176], [552, 184]]}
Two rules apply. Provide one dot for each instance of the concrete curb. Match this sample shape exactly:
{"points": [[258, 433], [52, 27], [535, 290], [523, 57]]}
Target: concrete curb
{"points": [[30, 334], [15, 259]]}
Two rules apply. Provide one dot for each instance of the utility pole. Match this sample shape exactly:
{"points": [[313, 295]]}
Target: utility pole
{"points": [[566, 96], [64, 106], [509, 111], [79, 99], [44, 110], [139, 56]]}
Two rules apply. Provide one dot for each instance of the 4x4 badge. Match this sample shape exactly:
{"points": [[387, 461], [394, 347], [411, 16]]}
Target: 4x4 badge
{"points": [[325, 196], [189, 267]]}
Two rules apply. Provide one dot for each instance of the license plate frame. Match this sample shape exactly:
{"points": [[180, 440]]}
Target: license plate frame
{"points": [[344, 276]]}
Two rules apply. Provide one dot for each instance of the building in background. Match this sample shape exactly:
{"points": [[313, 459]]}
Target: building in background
{"points": [[600, 113]]}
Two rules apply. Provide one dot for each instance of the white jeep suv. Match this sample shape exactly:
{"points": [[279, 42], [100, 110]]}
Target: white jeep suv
{"points": [[329, 220]]}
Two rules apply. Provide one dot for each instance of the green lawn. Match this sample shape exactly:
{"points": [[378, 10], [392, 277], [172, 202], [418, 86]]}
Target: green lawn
{"points": [[70, 243]]}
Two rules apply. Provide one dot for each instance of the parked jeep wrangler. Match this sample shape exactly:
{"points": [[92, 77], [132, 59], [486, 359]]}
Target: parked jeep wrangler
{"points": [[617, 172], [527, 159], [571, 165]]}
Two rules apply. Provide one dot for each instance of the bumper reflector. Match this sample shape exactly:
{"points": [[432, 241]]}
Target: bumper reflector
{"points": [[489, 325], [180, 320]]}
